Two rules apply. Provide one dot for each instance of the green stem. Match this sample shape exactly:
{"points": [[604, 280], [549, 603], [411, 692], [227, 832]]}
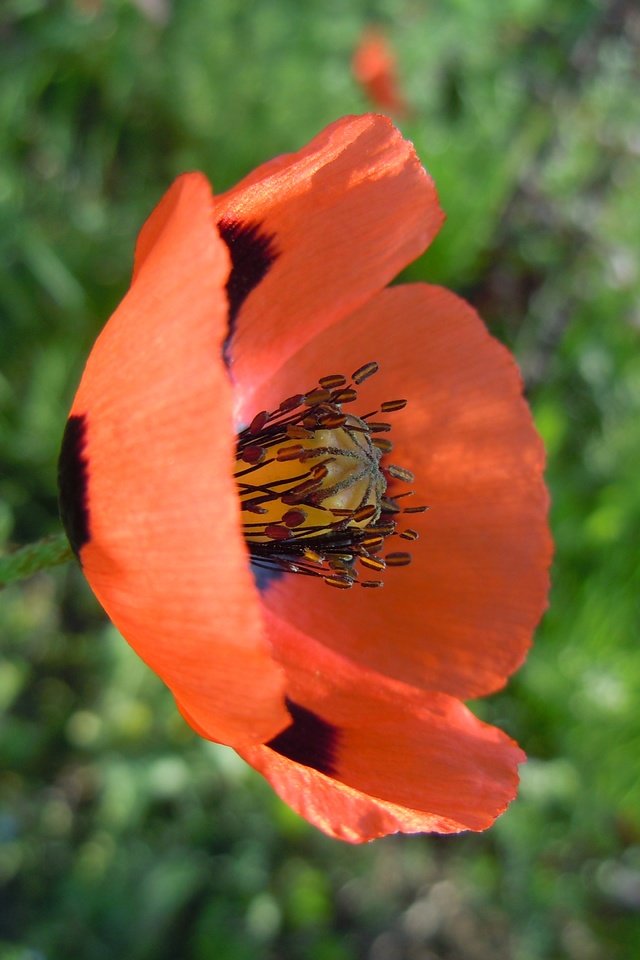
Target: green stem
{"points": [[24, 562]]}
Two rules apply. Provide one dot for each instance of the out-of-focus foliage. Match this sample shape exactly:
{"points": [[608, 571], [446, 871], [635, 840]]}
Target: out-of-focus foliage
{"points": [[123, 834]]}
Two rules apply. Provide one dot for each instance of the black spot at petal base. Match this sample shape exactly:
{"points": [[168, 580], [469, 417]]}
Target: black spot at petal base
{"points": [[309, 740], [73, 479], [264, 577], [253, 252]]}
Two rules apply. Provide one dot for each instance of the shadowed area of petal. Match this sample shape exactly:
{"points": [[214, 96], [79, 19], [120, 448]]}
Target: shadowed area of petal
{"points": [[460, 618], [404, 759], [344, 214], [164, 553]]}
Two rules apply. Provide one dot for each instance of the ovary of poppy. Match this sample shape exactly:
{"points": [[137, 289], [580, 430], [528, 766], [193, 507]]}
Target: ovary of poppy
{"points": [[348, 701], [374, 67]]}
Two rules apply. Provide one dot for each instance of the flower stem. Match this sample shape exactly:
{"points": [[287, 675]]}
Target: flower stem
{"points": [[24, 562]]}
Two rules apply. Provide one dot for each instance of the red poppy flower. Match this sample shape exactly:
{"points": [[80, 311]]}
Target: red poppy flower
{"points": [[227, 485], [374, 67]]}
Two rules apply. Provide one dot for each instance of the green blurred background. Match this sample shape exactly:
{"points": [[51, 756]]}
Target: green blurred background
{"points": [[123, 835]]}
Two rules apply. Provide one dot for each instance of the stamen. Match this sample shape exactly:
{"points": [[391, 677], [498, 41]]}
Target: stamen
{"points": [[259, 421], [364, 513], [298, 433], [372, 543], [398, 559], [344, 583], [331, 421], [312, 485], [295, 518], [378, 427], [313, 555], [274, 532], [363, 373], [253, 454], [332, 381], [348, 395], [409, 535], [289, 453], [291, 402], [384, 446], [315, 397], [399, 473], [254, 506]]}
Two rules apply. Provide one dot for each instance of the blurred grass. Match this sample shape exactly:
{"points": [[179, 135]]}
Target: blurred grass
{"points": [[122, 834]]}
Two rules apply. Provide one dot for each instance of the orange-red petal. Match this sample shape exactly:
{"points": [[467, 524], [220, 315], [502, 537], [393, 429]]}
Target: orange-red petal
{"points": [[316, 233], [368, 756], [161, 543], [374, 67], [460, 618]]}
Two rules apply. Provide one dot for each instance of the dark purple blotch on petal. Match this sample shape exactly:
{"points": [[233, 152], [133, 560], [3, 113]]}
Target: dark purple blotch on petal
{"points": [[309, 740], [73, 481], [252, 252]]}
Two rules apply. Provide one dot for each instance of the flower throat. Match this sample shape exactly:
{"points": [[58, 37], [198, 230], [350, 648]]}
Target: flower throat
{"points": [[315, 487]]}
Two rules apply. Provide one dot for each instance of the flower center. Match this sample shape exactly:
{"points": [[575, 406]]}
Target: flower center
{"points": [[315, 489]]}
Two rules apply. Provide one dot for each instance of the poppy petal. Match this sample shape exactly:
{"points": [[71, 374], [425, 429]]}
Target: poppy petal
{"points": [[459, 619], [158, 530], [374, 67], [364, 759], [314, 234]]}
